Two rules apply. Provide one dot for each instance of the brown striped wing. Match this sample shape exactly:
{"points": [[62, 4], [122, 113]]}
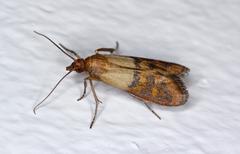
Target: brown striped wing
{"points": [[166, 68], [150, 85]]}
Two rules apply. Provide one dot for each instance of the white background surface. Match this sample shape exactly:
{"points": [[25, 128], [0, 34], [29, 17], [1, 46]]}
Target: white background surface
{"points": [[203, 35]]}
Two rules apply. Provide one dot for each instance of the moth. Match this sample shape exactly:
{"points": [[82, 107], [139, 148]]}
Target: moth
{"points": [[151, 81]]}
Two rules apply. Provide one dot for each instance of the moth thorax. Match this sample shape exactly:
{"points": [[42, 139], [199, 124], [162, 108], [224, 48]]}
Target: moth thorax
{"points": [[77, 65]]}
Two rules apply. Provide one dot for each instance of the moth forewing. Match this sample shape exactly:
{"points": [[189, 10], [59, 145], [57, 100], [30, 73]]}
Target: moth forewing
{"points": [[134, 75], [148, 64]]}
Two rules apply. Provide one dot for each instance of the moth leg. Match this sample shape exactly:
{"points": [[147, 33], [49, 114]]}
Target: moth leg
{"points": [[152, 111], [69, 50], [97, 101], [110, 50], [145, 102], [85, 87]]}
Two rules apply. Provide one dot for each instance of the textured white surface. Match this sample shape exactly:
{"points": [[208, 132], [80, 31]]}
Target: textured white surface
{"points": [[203, 35]]}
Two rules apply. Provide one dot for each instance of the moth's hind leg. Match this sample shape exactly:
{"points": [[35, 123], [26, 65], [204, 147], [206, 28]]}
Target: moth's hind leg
{"points": [[110, 50], [148, 106], [152, 111]]}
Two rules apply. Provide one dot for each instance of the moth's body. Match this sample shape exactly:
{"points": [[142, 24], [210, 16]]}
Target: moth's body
{"points": [[147, 79], [150, 80]]}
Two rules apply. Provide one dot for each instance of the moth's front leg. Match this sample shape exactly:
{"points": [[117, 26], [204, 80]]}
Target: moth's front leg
{"points": [[69, 50], [84, 91]]}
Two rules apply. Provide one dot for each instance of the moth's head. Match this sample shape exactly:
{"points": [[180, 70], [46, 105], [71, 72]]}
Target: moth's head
{"points": [[77, 65]]}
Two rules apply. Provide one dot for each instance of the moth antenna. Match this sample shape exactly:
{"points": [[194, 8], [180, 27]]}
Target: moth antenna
{"points": [[54, 44], [37, 106]]}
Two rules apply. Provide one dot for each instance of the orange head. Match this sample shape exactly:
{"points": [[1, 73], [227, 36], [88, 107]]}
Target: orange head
{"points": [[77, 65]]}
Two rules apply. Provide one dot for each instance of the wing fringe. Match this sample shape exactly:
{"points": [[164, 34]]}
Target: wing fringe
{"points": [[182, 88]]}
